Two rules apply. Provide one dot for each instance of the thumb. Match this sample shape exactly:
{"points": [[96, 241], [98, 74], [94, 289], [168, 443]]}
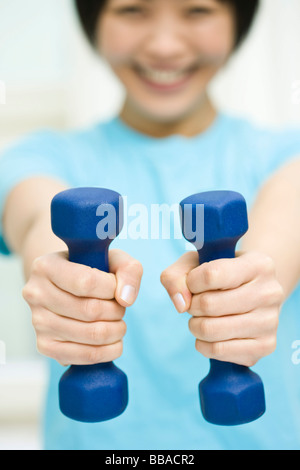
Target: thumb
{"points": [[174, 280], [128, 272]]}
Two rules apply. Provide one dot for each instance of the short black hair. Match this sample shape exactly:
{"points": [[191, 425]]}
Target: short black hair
{"points": [[245, 11]]}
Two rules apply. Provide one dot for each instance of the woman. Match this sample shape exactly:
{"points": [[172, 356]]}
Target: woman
{"points": [[168, 142]]}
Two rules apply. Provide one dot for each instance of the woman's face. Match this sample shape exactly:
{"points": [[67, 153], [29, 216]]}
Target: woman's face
{"points": [[165, 52]]}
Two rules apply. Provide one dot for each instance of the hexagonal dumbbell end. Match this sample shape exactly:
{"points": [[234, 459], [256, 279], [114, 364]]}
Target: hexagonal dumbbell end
{"points": [[88, 220], [214, 222]]}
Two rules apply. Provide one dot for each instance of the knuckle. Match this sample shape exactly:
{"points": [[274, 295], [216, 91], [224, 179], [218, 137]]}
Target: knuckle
{"points": [[105, 332], [210, 274], [87, 282], [136, 267], [165, 277], [267, 295], [273, 345], [98, 333], [192, 326], [207, 349], [268, 346], [111, 310], [199, 348], [272, 294], [278, 294], [39, 265], [206, 329], [31, 293], [273, 320], [250, 361], [276, 319], [26, 291], [203, 350], [100, 354], [119, 310], [133, 272], [117, 350], [93, 355], [269, 264], [206, 303], [45, 347], [94, 334], [90, 309], [123, 328], [266, 264], [269, 322], [217, 350]]}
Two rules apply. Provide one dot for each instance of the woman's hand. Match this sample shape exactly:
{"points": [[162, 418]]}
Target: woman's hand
{"points": [[234, 304], [77, 311]]}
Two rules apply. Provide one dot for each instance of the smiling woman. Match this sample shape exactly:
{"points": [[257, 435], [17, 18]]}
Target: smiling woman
{"points": [[165, 57], [165, 53]]}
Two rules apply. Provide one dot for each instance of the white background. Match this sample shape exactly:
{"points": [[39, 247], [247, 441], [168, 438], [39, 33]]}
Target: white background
{"points": [[51, 78]]}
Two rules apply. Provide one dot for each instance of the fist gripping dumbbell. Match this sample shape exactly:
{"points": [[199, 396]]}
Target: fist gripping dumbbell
{"points": [[92, 393], [231, 394]]}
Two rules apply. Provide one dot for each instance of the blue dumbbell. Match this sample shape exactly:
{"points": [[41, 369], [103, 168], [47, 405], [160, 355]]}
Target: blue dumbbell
{"points": [[231, 394], [87, 220]]}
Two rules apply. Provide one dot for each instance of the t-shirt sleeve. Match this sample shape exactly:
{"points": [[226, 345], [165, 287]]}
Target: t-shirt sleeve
{"points": [[38, 154]]}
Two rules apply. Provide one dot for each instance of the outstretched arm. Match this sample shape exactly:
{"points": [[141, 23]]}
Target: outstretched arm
{"points": [[275, 224], [235, 303], [26, 221], [77, 311]]}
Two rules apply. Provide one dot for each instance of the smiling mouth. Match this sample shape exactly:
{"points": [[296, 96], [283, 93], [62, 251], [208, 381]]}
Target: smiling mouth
{"points": [[164, 79]]}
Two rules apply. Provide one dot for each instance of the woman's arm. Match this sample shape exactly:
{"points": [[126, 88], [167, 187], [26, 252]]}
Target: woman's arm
{"points": [[26, 220], [77, 311], [274, 224], [235, 303]]}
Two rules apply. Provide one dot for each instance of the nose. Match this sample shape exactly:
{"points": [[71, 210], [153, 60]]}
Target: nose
{"points": [[166, 40]]}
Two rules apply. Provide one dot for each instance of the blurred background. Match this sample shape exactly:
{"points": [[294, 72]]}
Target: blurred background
{"points": [[50, 78]]}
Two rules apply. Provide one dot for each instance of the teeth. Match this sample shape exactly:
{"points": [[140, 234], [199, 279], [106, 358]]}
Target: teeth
{"points": [[164, 77]]}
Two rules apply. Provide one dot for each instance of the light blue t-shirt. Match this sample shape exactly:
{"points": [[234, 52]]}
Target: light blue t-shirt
{"points": [[160, 359]]}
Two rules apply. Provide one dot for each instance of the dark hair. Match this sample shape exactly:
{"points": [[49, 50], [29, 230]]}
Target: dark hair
{"points": [[245, 11]]}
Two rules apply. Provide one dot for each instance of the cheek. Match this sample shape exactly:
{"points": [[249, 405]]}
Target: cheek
{"points": [[215, 41], [115, 42]]}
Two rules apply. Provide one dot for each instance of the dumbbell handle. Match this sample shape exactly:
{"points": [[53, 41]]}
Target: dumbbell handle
{"points": [[215, 251], [91, 255]]}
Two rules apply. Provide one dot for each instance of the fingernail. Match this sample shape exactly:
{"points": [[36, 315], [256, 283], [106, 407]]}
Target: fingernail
{"points": [[179, 302], [128, 294]]}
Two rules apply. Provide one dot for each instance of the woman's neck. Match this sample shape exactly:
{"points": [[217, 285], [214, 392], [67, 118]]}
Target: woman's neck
{"points": [[196, 122]]}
